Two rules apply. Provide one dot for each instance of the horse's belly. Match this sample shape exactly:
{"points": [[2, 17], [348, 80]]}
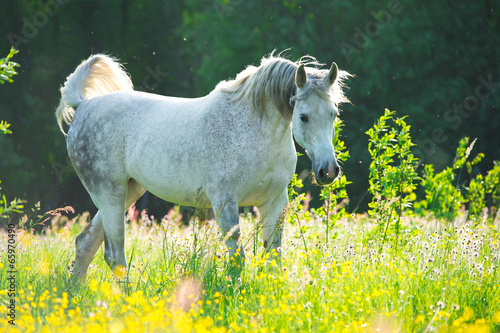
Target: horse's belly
{"points": [[189, 187], [184, 198], [182, 186]]}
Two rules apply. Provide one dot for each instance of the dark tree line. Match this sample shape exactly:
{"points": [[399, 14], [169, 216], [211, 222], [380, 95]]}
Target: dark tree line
{"points": [[436, 61]]}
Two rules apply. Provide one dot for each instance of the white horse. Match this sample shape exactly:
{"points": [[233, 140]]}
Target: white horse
{"points": [[231, 148]]}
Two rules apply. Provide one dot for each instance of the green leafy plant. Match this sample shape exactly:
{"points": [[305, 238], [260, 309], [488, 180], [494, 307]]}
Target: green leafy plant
{"points": [[392, 171], [443, 195], [7, 70], [334, 195], [442, 199], [476, 196], [483, 189], [295, 206], [7, 67], [4, 127], [492, 187], [7, 208]]}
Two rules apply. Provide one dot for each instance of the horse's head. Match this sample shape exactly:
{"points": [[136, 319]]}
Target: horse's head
{"points": [[313, 122]]}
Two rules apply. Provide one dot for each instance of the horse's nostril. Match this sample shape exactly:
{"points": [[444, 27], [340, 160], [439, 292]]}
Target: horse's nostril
{"points": [[321, 173], [337, 171], [333, 173]]}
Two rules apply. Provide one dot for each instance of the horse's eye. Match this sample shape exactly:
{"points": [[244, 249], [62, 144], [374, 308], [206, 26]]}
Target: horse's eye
{"points": [[304, 118]]}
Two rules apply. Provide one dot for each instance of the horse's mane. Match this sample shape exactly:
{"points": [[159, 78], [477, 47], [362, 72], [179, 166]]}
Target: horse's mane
{"points": [[274, 80]]}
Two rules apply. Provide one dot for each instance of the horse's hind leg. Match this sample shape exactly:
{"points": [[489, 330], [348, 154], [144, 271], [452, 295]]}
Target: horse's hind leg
{"points": [[114, 233], [113, 208], [87, 244], [89, 241]]}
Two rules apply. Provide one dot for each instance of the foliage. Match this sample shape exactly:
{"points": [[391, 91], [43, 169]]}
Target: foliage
{"points": [[392, 170], [295, 199], [6, 72], [393, 175], [411, 56], [393, 179], [294, 209], [4, 127], [7, 208], [476, 196], [443, 199], [492, 185], [436, 282], [443, 195], [7, 67]]}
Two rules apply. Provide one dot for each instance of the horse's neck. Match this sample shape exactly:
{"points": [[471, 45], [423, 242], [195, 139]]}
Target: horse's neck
{"points": [[270, 125], [275, 126]]}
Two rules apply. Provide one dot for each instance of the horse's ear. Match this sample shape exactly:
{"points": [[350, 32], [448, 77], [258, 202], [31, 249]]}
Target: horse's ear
{"points": [[301, 77], [332, 74]]}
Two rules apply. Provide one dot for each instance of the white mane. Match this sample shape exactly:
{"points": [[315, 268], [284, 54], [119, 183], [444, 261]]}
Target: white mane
{"points": [[274, 80]]}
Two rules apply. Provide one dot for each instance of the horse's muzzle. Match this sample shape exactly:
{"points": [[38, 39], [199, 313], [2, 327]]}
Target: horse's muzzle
{"points": [[325, 173]]}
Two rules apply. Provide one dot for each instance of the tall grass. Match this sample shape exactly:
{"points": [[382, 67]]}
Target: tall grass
{"points": [[441, 279]]}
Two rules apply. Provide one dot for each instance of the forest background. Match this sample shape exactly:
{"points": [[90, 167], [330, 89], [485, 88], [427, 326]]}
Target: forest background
{"points": [[435, 61]]}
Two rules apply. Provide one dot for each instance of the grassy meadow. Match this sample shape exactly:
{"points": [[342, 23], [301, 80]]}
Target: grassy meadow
{"points": [[410, 264], [438, 278]]}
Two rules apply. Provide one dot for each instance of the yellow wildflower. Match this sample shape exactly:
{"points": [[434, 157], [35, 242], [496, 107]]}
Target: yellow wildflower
{"points": [[93, 285], [467, 314], [419, 319]]}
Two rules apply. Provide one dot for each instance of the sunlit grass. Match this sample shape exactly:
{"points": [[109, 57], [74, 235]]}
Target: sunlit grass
{"points": [[437, 279]]}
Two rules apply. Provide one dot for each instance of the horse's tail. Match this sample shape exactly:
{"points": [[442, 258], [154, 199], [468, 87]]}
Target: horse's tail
{"points": [[98, 75]]}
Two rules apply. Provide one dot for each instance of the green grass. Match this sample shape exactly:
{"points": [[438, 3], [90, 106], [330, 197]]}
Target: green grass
{"points": [[438, 279]]}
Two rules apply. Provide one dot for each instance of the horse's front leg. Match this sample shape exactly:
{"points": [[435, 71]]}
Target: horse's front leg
{"points": [[226, 214], [272, 212]]}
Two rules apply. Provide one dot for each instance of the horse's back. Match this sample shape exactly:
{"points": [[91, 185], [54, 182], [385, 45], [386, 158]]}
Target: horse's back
{"points": [[151, 138]]}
